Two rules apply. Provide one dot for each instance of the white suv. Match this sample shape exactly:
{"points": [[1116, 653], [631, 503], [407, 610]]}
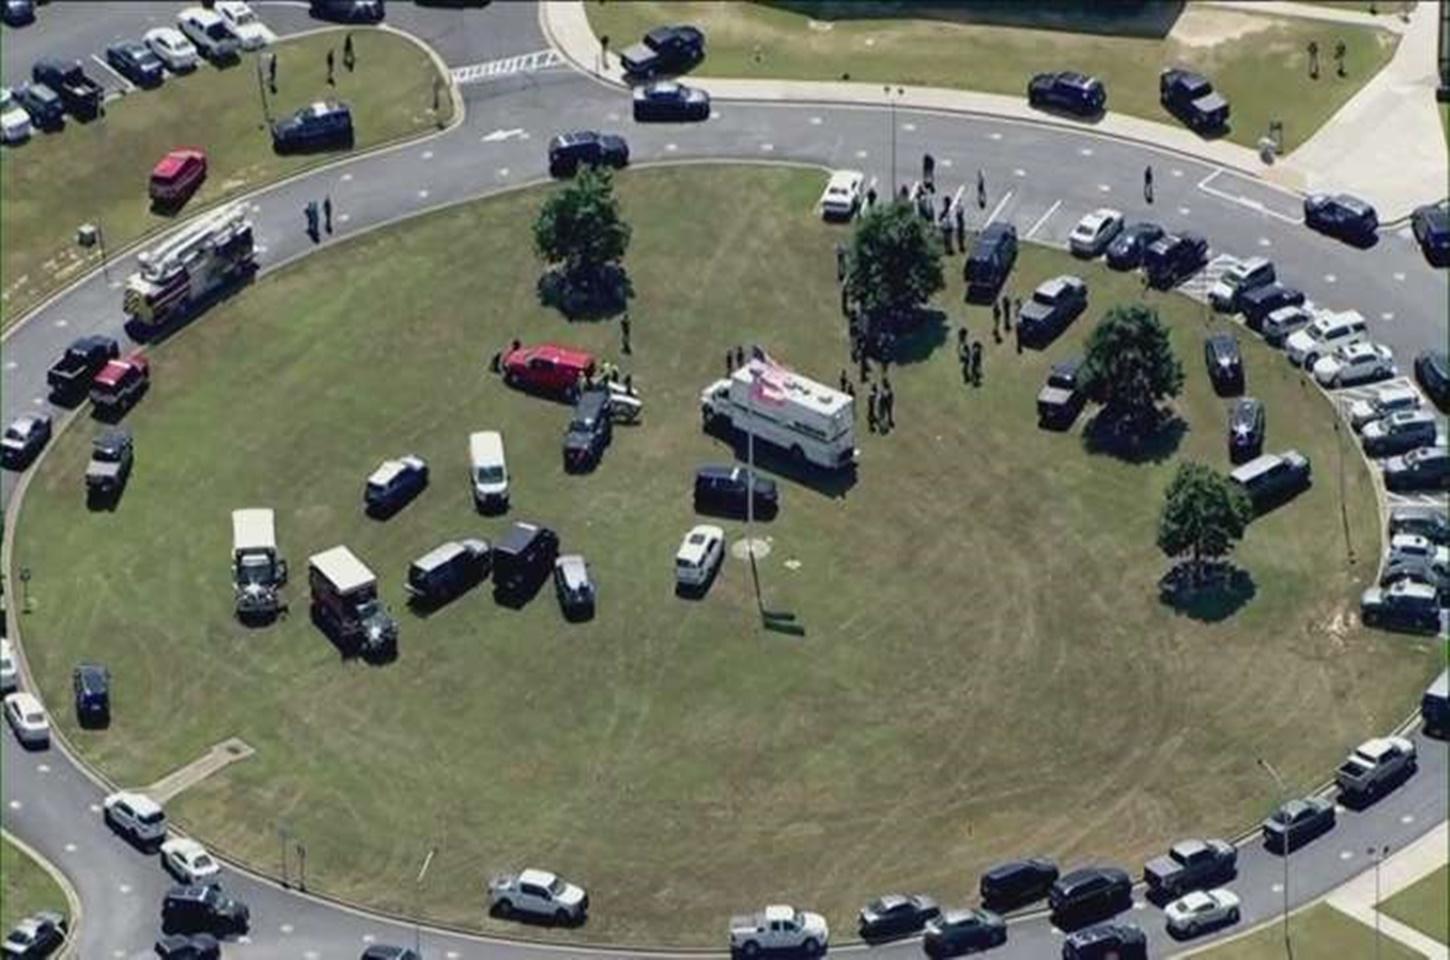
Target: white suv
{"points": [[27, 719], [188, 861], [700, 553], [539, 893], [9, 669], [843, 195], [135, 816], [1329, 330]]}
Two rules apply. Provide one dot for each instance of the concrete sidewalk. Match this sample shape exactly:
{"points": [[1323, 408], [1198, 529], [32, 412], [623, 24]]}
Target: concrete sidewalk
{"points": [[1402, 869], [1306, 11], [1385, 144]]}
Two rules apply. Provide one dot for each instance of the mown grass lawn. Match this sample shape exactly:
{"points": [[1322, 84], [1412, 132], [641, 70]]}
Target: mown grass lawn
{"points": [[1423, 905], [25, 888], [1319, 933], [1258, 61], [98, 172], [985, 669]]}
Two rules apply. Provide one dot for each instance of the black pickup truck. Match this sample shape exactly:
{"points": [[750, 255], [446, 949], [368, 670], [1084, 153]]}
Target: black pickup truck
{"points": [[1191, 98], [71, 375], [80, 94], [1189, 865]]}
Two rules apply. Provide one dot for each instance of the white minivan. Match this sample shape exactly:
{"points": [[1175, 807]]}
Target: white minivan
{"points": [[487, 470]]}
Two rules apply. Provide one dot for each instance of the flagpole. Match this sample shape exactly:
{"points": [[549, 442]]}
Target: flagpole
{"points": [[750, 490]]}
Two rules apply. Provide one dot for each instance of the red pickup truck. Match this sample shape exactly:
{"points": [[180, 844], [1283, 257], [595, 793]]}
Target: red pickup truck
{"points": [[175, 178], [121, 383], [547, 368]]}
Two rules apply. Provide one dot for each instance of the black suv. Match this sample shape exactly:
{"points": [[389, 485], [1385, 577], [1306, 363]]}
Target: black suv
{"points": [[348, 11], [1106, 941], [203, 909], [991, 259], [672, 49], [1169, 260], [1068, 91], [1018, 882], [1258, 303], [323, 124], [1432, 370], [179, 946], [1225, 364], [1245, 429], [1431, 226], [135, 61], [1191, 98], [42, 103], [1127, 249], [586, 148], [590, 431], [80, 94], [522, 560], [92, 683], [1091, 890], [1340, 215], [721, 489]]}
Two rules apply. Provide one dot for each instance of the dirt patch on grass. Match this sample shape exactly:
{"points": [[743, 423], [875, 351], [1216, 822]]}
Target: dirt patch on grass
{"points": [[1200, 27]]}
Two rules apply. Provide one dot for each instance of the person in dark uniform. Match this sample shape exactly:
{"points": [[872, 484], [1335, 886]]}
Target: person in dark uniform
{"points": [[840, 262], [961, 228], [624, 333], [928, 171], [331, 74], [870, 197], [944, 223], [887, 415], [981, 189], [871, 401], [977, 363], [1148, 183], [845, 381]]}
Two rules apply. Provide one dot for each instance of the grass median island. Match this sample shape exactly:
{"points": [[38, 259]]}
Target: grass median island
{"points": [[25, 888], [1258, 61], [98, 172], [1319, 933], [985, 668], [1422, 905]]}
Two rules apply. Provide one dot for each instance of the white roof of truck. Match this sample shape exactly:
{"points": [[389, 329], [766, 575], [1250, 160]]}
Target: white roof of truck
{"points": [[252, 528], [342, 569], [788, 387]]}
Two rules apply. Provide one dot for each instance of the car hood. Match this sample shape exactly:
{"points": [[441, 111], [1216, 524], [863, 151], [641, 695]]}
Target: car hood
{"points": [[572, 896], [1210, 103], [101, 469], [578, 440], [1164, 866], [814, 923], [638, 54], [1300, 340]]}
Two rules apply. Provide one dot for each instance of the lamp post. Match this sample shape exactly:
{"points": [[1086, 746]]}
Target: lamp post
{"points": [[1378, 853], [891, 94], [1284, 852], [25, 589], [418, 906]]}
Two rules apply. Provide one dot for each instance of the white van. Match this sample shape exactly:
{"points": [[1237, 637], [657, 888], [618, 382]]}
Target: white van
{"points": [[257, 569], [487, 470]]}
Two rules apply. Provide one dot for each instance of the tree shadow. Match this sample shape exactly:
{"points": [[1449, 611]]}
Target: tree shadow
{"points": [[1148, 20], [594, 296], [1131, 443], [1222, 590], [829, 483], [918, 336]]}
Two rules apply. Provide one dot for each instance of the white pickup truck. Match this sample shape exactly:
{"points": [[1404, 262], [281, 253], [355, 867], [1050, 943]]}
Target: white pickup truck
{"points": [[1376, 765], [540, 894], [778, 927]]}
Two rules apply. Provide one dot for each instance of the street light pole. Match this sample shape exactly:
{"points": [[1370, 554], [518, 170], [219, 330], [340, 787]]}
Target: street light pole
{"points": [[1283, 853], [891, 96]]}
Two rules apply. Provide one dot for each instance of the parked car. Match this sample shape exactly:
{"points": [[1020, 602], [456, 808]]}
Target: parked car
{"points": [[669, 100], [538, 893], [574, 582], [1381, 403], [590, 430], [842, 196], [1054, 304], [1297, 822], [1257, 303], [71, 374], [1342, 216], [348, 11], [120, 383], [1202, 910], [488, 471], [112, 454], [136, 817], [1354, 363], [35, 937], [91, 684], [1017, 882], [1427, 468], [187, 860], [1090, 890], [1403, 605], [447, 571], [1190, 865], [963, 931], [721, 488], [586, 148], [993, 254], [1191, 98], [1432, 523], [1429, 572], [210, 33], [27, 720], [17, 13], [699, 556], [181, 946], [43, 104], [244, 24], [523, 559], [380, 951], [548, 368], [1245, 429], [394, 483], [177, 176], [136, 62], [896, 914], [79, 93], [1432, 371], [15, 125], [1106, 941], [171, 48], [1127, 249], [1238, 279], [669, 49], [1431, 226], [1281, 323], [1094, 232], [1327, 331], [1060, 400], [1270, 478], [1170, 259], [1224, 362], [1399, 432], [24, 438], [9, 668], [1412, 546], [199, 908], [1376, 766], [1068, 91], [779, 928], [324, 123], [1435, 706]]}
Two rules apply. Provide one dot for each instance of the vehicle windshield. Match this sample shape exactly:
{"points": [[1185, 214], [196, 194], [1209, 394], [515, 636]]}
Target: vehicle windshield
{"points": [[557, 887], [368, 609], [13, 433], [107, 454], [202, 862], [254, 569], [490, 474], [218, 31], [34, 718], [243, 17], [152, 818]]}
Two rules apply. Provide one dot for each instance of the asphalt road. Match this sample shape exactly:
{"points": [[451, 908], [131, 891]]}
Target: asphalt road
{"points": [[1041, 179]]}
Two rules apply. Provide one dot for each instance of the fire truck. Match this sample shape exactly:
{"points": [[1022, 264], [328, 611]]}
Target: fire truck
{"points": [[184, 269]]}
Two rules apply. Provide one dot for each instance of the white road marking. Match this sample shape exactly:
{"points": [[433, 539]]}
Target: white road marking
{"points": [[1085, 151], [671, 148], [767, 147], [124, 888], [995, 136], [909, 127], [1387, 315], [11, 365], [716, 114], [1407, 818], [38, 401], [70, 848], [1176, 172], [1104, 188], [1019, 172], [1184, 211], [1346, 854], [503, 171], [1277, 888], [1330, 278], [95, 808], [43, 768], [946, 162], [861, 154], [107, 67], [344, 217], [497, 136], [62, 323], [310, 955], [422, 194], [286, 928], [816, 121], [427, 154], [613, 116], [1241, 200], [1265, 242], [1000, 204], [507, 66], [346, 178], [1042, 219], [1399, 276], [368, 938], [15, 804]]}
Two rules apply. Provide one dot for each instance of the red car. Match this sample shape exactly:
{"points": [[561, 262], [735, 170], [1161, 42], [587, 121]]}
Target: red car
{"points": [[177, 176], [121, 382], [547, 368]]}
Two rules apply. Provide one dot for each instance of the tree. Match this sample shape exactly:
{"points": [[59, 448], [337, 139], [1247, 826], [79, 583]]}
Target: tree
{"points": [[1129, 367], [894, 263], [1204, 514], [579, 230]]}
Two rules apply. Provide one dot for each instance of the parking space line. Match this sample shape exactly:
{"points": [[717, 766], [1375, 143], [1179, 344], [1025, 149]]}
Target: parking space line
{"points": [[1000, 204], [1042, 219], [1255, 205], [107, 67]]}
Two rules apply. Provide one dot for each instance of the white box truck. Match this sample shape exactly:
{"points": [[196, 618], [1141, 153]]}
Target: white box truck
{"points": [[258, 570], [811, 421]]}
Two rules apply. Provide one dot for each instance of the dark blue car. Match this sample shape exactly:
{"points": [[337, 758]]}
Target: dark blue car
{"points": [[92, 683], [135, 61], [1431, 224], [325, 123], [1068, 91], [1340, 215]]}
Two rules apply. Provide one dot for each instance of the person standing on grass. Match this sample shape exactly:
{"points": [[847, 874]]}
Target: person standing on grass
{"points": [[624, 333], [870, 197], [944, 223], [961, 228], [1313, 50], [887, 416], [349, 58], [977, 363], [331, 77], [845, 381], [872, 399], [840, 262], [327, 213]]}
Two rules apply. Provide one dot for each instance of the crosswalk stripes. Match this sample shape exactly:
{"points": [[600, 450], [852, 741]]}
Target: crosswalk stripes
{"points": [[507, 66]]}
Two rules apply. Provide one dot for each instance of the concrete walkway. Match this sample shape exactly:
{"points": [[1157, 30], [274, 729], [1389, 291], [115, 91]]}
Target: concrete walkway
{"points": [[1385, 144], [1402, 869], [1309, 11]]}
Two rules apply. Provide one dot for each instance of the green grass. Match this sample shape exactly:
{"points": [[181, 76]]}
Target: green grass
{"points": [[1423, 905], [1263, 71], [24, 887], [983, 646], [98, 172], [1319, 933]]}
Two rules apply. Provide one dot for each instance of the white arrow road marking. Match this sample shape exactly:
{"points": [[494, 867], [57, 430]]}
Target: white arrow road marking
{"points": [[517, 133]]}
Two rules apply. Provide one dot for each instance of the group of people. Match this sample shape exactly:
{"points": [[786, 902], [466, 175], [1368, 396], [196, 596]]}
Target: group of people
{"points": [[880, 399]]}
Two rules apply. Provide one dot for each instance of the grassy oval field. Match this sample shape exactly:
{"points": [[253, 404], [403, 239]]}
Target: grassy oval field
{"points": [[984, 668]]}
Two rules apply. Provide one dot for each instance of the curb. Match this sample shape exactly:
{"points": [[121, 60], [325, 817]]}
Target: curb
{"points": [[305, 171], [69, 947]]}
